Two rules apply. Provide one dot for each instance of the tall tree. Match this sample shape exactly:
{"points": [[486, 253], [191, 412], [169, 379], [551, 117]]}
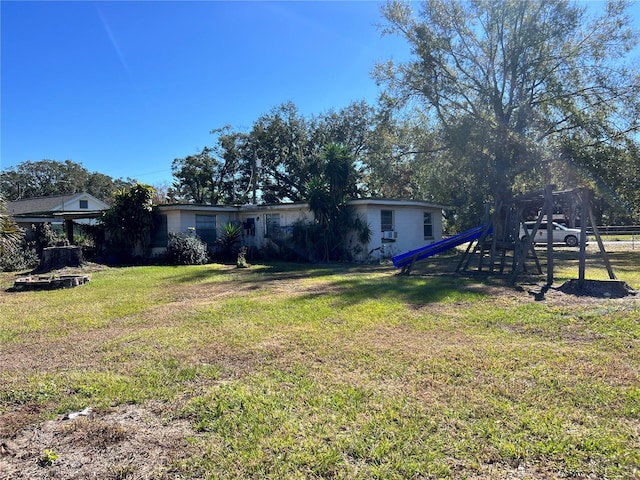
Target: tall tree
{"points": [[276, 159], [51, 177], [212, 176], [391, 166], [195, 177], [128, 223], [503, 84], [283, 150], [613, 170], [328, 194], [281, 141]]}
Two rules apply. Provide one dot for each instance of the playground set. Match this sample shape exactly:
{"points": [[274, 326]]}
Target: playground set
{"points": [[498, 238]]}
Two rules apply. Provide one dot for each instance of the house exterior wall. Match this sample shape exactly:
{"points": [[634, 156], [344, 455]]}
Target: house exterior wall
{"points": [[80, 203], [407, 225], [182, 219], [259, 217], [174, 222], [184, 222]]}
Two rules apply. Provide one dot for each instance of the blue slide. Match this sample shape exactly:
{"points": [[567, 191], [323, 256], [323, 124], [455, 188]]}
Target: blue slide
{"points": [[406, 258]]}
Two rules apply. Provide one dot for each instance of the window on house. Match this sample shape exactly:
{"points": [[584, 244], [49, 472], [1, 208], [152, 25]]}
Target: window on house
{"points": [[84, 204], [386, 220], [206, 229], [160, 234], [428, 226], [272, 224]]}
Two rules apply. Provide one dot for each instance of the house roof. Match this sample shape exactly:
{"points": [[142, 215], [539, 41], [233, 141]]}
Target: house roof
{"points": [[49, 205], [196, 207], [298, 205], [35, 205], [396, 202]]}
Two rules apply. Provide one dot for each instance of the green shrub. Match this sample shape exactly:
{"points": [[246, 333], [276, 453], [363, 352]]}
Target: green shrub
{"points": [[42, 236], [228, 240], [27, 253], [11, 237], [20, 257], [185, 249]]}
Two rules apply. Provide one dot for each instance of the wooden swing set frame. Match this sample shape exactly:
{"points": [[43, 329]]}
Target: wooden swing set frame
{"points": [[501, 235]]}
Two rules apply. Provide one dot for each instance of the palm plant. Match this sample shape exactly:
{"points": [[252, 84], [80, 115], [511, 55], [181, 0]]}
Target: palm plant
{"points": [[11, 234], [230, 235], [327, 195]]}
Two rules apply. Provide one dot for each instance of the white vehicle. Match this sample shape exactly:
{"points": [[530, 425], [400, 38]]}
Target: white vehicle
{"points": [[561, 234]]}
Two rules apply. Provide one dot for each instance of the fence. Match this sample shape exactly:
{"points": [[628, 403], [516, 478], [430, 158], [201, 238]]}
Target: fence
{"points": [[616, 230]]}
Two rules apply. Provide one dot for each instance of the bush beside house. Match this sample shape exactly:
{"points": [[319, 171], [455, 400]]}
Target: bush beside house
{"points": [[186, 249]]}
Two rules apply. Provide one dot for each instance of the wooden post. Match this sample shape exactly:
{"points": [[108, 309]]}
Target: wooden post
{"points": [[407, 268], [68, 227], [528, 245], [584, 193], [548, 199], [497, 228], [464, 257], [605, 257]]}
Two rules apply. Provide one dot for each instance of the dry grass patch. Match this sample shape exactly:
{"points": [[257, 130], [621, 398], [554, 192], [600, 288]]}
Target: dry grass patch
{"points": [[126, 442]]}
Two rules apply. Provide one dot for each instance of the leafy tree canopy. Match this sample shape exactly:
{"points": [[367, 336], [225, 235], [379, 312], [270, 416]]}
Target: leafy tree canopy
{"points": [[51, 177], [128, 223], [504, 86], [212, 176], [277, 158]]}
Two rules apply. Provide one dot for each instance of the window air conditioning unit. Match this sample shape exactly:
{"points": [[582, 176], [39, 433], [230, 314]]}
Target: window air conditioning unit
{"points": [[389, 235]]}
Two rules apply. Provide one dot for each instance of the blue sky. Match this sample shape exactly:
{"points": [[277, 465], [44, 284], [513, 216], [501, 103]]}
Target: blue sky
{"points": [[123, 88]]}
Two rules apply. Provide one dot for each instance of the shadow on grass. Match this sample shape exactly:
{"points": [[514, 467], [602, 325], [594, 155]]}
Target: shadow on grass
{"points": [[620, 260], [432, 281], [416, 290], [268, 272]]}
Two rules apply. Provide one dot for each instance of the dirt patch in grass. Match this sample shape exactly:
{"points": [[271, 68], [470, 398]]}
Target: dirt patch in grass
{"points": [[597, 288], [15, 420], [130, 441]]}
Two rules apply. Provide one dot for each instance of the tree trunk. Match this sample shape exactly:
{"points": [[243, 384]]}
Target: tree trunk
{"points": [[55, 258]]}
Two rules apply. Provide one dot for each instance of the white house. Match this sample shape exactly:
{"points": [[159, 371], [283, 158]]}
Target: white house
{"points": [[80, 208], [397, 225]]}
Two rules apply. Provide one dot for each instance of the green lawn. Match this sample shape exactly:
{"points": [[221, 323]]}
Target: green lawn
{"points": [[296, 371]]}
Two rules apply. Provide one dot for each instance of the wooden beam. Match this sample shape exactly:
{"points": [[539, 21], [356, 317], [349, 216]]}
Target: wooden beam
{"points": [[548, 198], [528, 245], [582, 263], [603, 252], [68, 227], [494, 236]]}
